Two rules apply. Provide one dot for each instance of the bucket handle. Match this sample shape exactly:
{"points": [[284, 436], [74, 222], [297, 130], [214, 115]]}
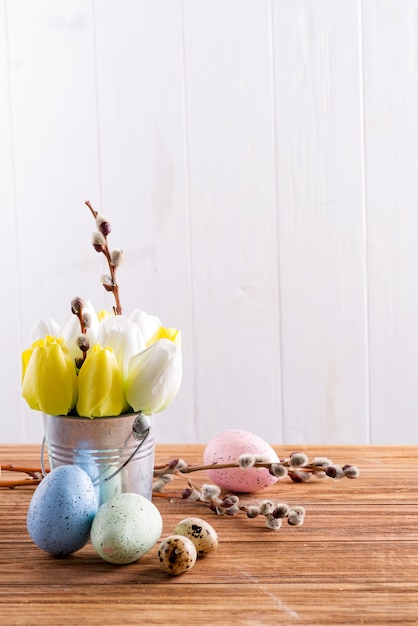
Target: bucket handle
{"points": [[140, 430]]}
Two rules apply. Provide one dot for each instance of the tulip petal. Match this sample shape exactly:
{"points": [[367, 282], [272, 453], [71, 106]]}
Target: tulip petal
{"points": [[165, 333], [123, 336], [147, 324], [100, 385], [45, 327]]}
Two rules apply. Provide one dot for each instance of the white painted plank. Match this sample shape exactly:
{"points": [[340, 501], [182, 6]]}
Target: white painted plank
{"points": [[139, 60], [11, 422], [391, 98], [55, 148], [322, 254], [233, 217]]}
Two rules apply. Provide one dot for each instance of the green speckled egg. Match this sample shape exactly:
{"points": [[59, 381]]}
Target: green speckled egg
{"points": [[125, 528], [176, 554], [200, 532]]}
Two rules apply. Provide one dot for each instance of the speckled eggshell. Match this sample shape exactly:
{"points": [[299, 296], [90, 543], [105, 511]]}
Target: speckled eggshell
{"points": [[125, 528], [226, 447], [62, 510], [200, 532], [176, 554]]}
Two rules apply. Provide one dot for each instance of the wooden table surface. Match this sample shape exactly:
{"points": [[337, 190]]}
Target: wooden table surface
{"points": [[353, 562]]}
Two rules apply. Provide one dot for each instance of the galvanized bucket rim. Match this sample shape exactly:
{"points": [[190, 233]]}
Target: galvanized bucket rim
{"points": [[94, 419], [141, 429]]}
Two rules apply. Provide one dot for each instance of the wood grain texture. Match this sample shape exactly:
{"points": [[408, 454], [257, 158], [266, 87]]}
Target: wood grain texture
{"points": [[8, 224], [321, 218], [231, 147], [354, 561], [391, 99]]}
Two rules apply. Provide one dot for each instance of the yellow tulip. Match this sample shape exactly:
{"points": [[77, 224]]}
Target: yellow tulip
{"points": [[49, 379], [100, 386], [102, 314], [165, 333]]}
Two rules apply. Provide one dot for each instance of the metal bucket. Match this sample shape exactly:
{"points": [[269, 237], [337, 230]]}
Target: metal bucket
{"points": [[116, 452]]}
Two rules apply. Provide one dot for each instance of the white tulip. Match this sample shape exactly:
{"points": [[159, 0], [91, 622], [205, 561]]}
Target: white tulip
{"points": [[154, 377], [123, 336]]}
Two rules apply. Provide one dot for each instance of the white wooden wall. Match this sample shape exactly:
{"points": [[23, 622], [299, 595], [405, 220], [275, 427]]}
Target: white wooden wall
{"points": [[258, 161]]}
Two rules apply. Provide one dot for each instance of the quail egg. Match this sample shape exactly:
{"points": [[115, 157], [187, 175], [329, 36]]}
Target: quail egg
{"points": [[177, 554], [200, 532]]}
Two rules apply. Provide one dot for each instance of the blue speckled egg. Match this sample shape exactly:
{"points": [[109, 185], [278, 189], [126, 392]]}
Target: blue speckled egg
{"points": [[125, 528], [62, 510]]}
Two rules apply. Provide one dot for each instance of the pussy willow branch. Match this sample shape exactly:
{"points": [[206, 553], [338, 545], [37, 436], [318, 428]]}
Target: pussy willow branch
{"points": [[112, 269], [292, 470], [166, 469], [34, 473], [177, 467]]}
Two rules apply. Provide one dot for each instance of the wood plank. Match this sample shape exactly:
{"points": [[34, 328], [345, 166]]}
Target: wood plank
{"points": [[10, 430], [233, 219], [325, 604], [391, 100], [321, 221], [298, 562]]}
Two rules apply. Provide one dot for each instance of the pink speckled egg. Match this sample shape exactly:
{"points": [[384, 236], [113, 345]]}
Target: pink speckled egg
{"points": [[226, 447]]}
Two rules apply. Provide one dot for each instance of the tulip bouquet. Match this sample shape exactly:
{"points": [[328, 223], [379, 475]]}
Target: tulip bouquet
{"points": [[105, 364]]}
